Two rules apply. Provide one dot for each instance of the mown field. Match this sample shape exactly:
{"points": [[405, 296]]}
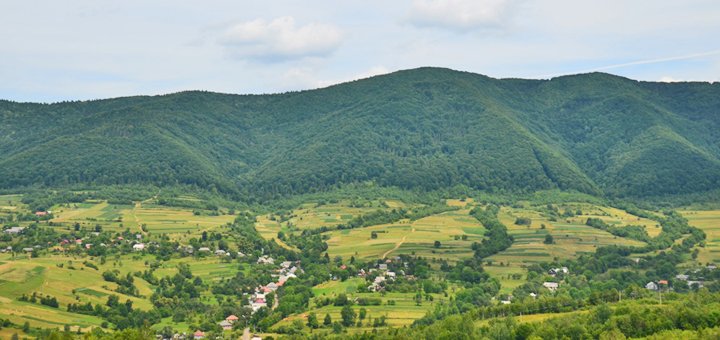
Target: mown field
{"points": [[571, 238], [54, 275], [404, 311], [411, 237], [179, 223], [709, 222]]}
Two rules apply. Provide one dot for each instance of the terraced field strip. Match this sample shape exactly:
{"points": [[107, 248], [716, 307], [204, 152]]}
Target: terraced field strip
{"points": [[709, 222], [571, 238]]}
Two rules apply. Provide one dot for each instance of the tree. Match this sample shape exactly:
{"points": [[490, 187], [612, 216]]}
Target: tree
{"points": [[348, 316], [549, 239], [437, 244], [328, 320], [312, 321]]}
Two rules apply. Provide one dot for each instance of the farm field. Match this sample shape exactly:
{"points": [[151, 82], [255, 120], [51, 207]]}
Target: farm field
{"points": [[402, 313], [416, 237], [44, 275], [312, 216], [571, 236], [180, 223], [709, 222]]}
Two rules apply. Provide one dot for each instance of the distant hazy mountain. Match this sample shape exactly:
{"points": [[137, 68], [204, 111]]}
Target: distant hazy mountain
{"points": [[425, 128]]}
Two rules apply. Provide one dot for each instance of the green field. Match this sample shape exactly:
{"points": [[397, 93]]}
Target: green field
{"points": [[406, 237], [43, 275], [572, 238], [709, 222], [402, 313], [180, 223]]}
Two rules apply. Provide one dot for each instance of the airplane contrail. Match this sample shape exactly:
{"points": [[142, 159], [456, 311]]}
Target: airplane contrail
{"points": [[638, 62]]}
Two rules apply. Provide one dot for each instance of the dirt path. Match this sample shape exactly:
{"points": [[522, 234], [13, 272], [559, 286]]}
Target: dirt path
{"points": [[138, 205], [246, 333], [397, 245]]}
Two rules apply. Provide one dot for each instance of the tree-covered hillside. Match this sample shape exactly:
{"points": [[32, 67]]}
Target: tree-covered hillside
{"points": [[426, 128]]}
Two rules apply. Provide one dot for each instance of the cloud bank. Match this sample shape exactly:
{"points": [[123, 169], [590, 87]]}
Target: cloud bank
{"points": [[461, 15], [279, 39]]}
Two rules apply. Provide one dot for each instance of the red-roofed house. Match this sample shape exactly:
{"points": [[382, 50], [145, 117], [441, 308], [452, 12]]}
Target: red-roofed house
{"points": [[198, 335], [41, 213], [232, 318], [663, 282]]}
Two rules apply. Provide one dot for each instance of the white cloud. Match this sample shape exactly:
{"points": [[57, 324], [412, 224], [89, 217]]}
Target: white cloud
{"points": [[280, 39], [461, 15]]}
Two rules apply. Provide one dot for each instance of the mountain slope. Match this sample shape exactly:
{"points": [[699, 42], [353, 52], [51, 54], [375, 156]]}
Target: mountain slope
{"points": [[426, 128]]}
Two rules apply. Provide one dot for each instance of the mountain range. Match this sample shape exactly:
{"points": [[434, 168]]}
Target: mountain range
{"points": [[425, 129]]}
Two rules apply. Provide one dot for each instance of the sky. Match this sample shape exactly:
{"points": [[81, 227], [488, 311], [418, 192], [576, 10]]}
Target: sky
{"points": [[88, 49]]}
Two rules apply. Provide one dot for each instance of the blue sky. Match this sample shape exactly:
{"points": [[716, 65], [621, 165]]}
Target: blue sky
{"points": [[76, 50]]}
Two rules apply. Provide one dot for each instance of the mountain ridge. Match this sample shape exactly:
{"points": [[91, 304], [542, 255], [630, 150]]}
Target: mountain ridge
{"points": [[425, 128]]}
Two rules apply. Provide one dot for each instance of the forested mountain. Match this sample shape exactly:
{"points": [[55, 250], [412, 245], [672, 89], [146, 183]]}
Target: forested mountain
{"points": [[425, 128]]}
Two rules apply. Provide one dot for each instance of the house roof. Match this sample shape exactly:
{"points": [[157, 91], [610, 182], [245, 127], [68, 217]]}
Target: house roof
{"points": [[231, 317]]}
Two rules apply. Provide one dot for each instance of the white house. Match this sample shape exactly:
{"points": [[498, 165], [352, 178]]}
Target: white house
{"points": [[552, 286], [651, 286], [14, 230], [139, 247]]}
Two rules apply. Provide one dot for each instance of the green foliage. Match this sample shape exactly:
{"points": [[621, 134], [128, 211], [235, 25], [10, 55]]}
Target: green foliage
{"points": [[427, 129]]}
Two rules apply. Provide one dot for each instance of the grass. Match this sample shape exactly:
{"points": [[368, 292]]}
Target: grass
{"points": [[179, 223], [572, 238], [709, 222], [406, 237], [312, 216]]}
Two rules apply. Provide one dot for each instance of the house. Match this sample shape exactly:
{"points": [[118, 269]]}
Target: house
{"points": [[663, 282], [257, 304], [204, 249], [682, 277], [552, 286], [382, 266], [232, 318], [286, 264], [651, 286], [220, 252], [198, 335], [533, 295], [226, 325], [505, 302], [240, 254], [139, 247], [556, 271], [14, 230], [390, 274], [265, 260], [41, 213], [27, 250], [695, 284], [711, 267], [272, 286]]}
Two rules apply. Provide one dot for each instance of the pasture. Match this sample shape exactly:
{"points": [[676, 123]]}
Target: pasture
{"points": [[571, 238], [313, 216], [179, 223], [414, 238], [401, 310], [709, 222]]}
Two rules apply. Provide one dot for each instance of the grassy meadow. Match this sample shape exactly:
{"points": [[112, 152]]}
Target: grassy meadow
{"points": [[179, 223], [411, 237], [402, 313], [709, 222], [571, 238]]}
